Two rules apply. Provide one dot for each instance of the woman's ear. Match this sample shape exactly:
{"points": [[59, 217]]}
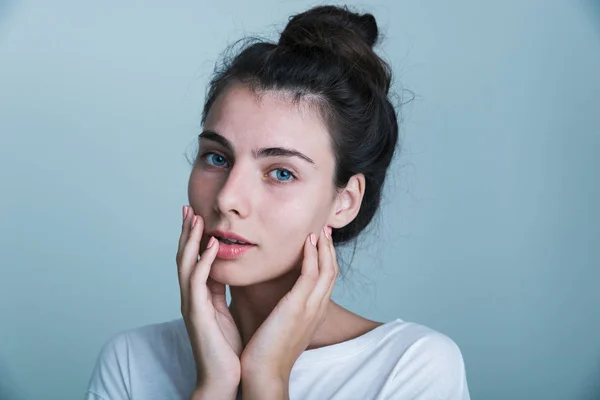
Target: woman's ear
{"points": [[347, 202]]}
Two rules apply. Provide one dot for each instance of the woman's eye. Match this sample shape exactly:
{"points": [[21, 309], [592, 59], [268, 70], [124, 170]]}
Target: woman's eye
{"points": [[282, 175], [216, 159]]}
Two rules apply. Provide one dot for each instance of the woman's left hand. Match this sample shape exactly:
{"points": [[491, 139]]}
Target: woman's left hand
{"points": [[269, 356]]}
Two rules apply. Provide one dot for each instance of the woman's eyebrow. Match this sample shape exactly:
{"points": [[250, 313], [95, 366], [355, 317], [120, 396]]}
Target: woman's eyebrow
{"points": [[260, 153], [281, 152], [215, 137]]}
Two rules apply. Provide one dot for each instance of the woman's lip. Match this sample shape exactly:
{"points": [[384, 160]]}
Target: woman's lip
{"points": [[230, 235], [231, 251]]}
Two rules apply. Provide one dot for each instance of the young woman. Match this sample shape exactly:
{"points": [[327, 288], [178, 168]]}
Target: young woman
{"points": [[297, 138]]}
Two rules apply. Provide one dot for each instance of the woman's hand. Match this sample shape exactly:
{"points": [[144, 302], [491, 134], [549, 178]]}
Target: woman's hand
{"points": [[214, 336], [269, 356]]}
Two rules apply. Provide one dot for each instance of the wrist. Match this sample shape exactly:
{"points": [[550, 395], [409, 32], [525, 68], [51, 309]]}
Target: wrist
{"points": [[265, 387], [214, 393], [217, 383], [265, 373]]}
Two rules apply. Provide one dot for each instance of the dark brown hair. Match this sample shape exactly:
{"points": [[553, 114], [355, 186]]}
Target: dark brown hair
{"points": [[327, 53]]}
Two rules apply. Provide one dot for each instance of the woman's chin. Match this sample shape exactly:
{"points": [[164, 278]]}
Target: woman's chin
{"points": [[227, 273]]}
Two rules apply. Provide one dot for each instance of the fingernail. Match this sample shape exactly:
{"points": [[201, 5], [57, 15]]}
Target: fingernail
{"points": [[326, 231], [183, 211], [194, 221], [330, 230], [313, 239], [210, 242]]}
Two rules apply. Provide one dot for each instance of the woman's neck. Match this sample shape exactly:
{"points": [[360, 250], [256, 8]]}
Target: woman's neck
{"points": [[251, 305]]}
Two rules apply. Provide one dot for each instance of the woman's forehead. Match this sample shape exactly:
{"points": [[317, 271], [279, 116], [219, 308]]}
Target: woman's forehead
{"points": [[240, 114]]}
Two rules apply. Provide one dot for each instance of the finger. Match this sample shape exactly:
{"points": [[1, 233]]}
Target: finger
{"points": [[202, 269], [199, 295], [336, 267], [333, 249], [216, 288], [186, 226], [310, 272], [327, 297], [326, 270], [189, 254], [218, 293]]}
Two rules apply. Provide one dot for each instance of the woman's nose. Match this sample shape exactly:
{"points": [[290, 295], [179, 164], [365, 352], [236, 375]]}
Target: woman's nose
{"points": [[234, 195]]}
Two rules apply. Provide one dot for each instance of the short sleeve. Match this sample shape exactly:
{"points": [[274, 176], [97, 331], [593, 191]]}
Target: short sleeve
{"points": [[110, 376], [432, 368]]}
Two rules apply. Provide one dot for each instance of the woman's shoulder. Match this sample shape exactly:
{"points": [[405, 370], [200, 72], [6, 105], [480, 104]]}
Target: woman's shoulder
{"points": [[400, 359], [412, 342], [155, 336], [415, 335], [431, 359], [394, 343], [126, 358]]}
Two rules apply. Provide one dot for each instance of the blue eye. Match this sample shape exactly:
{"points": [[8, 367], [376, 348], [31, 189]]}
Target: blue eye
{"points": [[282, 175], [216, 159]]}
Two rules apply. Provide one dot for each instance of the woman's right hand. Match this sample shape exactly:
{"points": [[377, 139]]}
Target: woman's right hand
{"points": [[213, 333]]}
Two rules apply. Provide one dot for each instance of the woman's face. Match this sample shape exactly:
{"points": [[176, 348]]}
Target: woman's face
{"points": [[264, 172]]}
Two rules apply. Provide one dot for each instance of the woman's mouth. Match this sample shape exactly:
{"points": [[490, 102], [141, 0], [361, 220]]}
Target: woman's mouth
{"points": [[230, 249], [229, 241], [231, 245]]}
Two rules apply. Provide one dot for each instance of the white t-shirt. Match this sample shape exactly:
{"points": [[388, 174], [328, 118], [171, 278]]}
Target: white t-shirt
{"points": [[398, 360]]}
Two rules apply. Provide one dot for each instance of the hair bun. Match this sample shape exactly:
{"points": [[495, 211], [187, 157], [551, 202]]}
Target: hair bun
{"points": [[335, 33], [368, 27], [330, 28]]}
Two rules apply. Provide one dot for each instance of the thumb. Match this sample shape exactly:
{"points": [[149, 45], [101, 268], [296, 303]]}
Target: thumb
{"points": [[217, 291]]}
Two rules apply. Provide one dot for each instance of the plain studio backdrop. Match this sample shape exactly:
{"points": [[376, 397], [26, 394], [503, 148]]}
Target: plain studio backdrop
{"points": [[490, 227]]}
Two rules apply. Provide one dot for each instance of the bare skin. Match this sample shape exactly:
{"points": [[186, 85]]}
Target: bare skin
{"points": [[281, 288]]}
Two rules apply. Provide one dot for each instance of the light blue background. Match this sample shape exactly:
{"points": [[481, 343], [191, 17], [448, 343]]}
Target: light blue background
{"points": [[490, 230]]}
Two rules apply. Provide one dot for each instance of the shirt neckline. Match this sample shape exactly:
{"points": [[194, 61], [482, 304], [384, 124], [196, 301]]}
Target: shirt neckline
{"points": [[341, 349], [347, 347]]}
